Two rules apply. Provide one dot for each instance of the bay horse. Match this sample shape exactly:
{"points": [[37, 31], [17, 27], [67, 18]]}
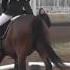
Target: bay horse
{"points": [[25, 35]]}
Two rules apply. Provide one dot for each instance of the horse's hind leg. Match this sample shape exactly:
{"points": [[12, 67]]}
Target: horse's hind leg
{"points": [[44, 56], [46, 61], [53, 56]]}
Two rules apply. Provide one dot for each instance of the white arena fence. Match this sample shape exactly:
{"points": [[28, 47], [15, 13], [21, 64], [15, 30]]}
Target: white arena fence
{"points": [[11, 66]]}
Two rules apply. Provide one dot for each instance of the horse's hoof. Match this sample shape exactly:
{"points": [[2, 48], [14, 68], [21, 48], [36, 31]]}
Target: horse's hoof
{"points": [[61, 66]]}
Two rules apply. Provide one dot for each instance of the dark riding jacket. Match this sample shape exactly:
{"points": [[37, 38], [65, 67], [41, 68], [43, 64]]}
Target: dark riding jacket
{"points": [[15, 7]]}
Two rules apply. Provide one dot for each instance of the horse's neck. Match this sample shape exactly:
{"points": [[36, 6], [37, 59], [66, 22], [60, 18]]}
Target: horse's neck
{"points": [[40, 18]]}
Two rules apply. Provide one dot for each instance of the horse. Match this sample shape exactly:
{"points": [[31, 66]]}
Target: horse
{"points": [[43, 45], [22, 38]]}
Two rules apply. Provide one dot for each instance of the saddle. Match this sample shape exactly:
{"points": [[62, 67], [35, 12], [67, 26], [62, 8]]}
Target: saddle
{"points": [[4, 27]]}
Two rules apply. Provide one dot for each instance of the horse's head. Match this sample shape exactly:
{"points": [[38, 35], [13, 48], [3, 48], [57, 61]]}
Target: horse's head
{"points": [[44, 16]]}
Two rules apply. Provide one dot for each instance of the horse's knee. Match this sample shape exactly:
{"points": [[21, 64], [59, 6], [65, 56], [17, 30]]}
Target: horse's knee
{"points": [[48, 64]]}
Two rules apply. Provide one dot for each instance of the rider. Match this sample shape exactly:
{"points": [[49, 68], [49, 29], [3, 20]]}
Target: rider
{"points": [[13, 8]]}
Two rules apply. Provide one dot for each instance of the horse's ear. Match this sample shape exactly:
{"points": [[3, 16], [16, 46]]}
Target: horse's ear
{"points": [[41, 11]]}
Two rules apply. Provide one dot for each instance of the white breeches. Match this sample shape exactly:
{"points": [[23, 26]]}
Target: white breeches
{"points": [[4, 18]]}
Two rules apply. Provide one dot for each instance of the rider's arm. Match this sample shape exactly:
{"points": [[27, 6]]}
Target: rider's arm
{"points": [[4, 5]]}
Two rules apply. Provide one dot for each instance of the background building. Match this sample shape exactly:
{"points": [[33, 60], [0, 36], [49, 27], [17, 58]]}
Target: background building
{"points": [[51, 5], [58, 10]]}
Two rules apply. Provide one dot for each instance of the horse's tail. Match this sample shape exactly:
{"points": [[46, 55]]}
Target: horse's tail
{"points": [[36, 31]]}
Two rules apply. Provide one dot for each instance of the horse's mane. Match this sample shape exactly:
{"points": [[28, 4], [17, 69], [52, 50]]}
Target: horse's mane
{"points": [[37, 27], [46, 18]]}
